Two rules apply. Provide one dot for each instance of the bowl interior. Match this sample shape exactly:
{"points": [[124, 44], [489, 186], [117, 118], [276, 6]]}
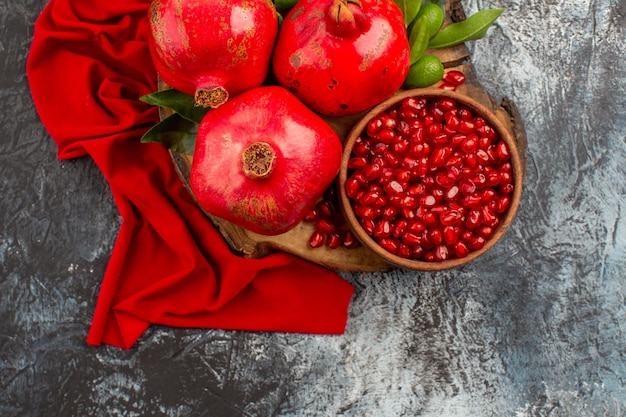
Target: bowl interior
{"points": [[505, 133]]}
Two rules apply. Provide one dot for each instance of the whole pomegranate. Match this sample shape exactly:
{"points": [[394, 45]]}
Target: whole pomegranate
{"points": [[341, 57], [263, 159], [212, 49]]}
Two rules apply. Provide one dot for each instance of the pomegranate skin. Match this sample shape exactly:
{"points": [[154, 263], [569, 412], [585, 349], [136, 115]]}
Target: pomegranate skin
{"points": [[266, 196], [212, 49], [341, 57]]}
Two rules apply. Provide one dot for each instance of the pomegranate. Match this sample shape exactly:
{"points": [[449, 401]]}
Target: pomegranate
{"points": [[429, 179], [212, 49], [263, 159], [341, 57]]}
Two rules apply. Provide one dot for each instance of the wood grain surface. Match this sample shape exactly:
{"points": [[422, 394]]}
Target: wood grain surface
{"points": [[533, 329]]}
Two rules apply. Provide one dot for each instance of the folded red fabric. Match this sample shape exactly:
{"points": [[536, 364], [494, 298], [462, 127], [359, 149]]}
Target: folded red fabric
{"points": [[88, 66]]}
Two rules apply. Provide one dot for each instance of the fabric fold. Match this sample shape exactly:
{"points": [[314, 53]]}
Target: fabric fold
{"points": [[89, 63]]}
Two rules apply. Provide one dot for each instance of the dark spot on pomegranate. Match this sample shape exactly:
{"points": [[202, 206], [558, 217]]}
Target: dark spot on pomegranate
{"points": [[343, 106]]}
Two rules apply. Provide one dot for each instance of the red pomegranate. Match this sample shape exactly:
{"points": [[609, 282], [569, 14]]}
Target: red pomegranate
{"points": [[212, 49], [341, 57], [262, 160]]}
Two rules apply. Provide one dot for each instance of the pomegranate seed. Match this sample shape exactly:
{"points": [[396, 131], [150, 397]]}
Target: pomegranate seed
{"points": [[470, 144], [461, 250], [390, 245], [414, 103], [435, 236], [486, 130], [352, 187], [506, 188], [450, 217], [350, 241], [467, 187], [484, 142], [369, 198], [441, 252], [447, 86], [371, 172], [325, 225], [357, 162], [429, 218], [466, 126], [399, 147], [488, 195], [477, 242], [440, 156], [451, 234], [412, 239], [382, 229], [485, 231], [394, 188], [407, 114], [364, 212], [373, 126], [408, 202], [379, 148], [428, 201], [367, 225], [312, 215], [416, 226], [434, 129], [317, 239], [386, 135], [389, 212], [429, 257], [404, 251], [488, 217], [327, 207], [416, 189], [400, 227], [483, 156], [502, 204], [451, 193], [470, 160], [473, 219], [333, 241], [454, 77], [466, 114], [360, 148], [452, 121], [457, 140]]}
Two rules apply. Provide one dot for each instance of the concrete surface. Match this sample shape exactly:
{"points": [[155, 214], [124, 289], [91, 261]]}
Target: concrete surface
{"points": [[534, 328]]}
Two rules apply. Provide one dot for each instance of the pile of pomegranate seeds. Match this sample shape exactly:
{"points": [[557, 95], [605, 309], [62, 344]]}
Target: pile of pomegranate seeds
{"points": [[330, 228], [429, 180], [451, 80]]}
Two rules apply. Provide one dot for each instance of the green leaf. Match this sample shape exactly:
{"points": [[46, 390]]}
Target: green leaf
{"points": [[473, 28], [175, 133], [409, 9], [440, 3], [181, 103], [418, 39]]}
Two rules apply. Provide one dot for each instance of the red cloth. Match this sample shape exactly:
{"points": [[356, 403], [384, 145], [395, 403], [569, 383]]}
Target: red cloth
{"points": [[88, 65]]}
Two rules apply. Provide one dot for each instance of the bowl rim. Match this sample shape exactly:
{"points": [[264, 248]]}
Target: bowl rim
{"points": [[478, 108]]}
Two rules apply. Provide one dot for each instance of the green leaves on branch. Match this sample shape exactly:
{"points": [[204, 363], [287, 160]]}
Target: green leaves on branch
{"points": [[409, 9], [177, 131], [473, 28], [418, 39], [424, 22], [181, 103]]}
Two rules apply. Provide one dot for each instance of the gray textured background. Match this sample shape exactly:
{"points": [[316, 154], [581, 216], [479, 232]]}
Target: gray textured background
{"points": [[534, 328]]}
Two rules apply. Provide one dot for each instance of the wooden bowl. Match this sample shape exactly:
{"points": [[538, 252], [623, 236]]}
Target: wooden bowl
{"points": [[505, 132]]}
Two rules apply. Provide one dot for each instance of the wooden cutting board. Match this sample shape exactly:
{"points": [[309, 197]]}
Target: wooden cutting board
{"points": [[252, 245]]}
